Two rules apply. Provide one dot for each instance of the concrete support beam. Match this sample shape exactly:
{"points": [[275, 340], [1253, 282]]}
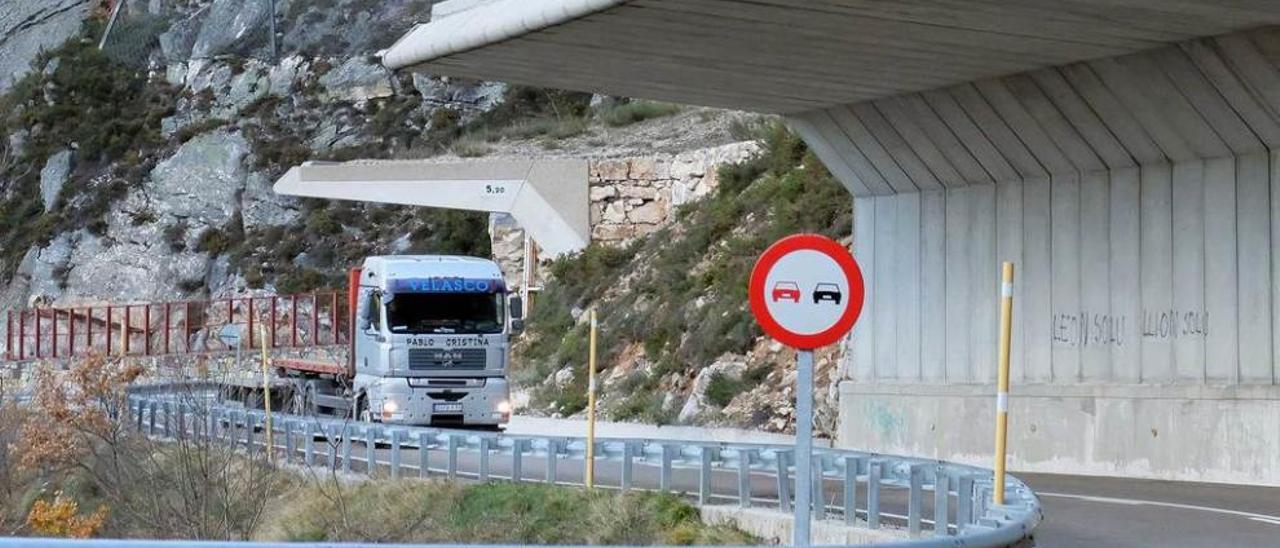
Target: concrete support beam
{"points": [[546, 197]]}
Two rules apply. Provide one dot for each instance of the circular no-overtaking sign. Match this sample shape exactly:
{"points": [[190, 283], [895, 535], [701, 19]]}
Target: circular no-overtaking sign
{"points": [[806, 291]]}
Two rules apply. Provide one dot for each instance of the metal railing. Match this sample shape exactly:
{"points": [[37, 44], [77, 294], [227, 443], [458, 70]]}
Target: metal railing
{"points": [[172, 327], [856, 487]]}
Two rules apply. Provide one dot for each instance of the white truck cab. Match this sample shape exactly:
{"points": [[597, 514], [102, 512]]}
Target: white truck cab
{"points": [[431, 340]]}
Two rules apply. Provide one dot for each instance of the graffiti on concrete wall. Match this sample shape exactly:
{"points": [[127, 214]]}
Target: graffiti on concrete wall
{"points": [[1089, 329], [1084, 328]]}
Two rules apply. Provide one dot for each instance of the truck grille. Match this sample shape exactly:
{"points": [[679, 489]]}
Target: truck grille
{"points": [[421, 359]]}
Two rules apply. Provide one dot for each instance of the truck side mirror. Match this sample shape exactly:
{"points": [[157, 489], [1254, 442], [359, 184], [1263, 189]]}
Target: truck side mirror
{"points": [[516, 305], [517, 326]]}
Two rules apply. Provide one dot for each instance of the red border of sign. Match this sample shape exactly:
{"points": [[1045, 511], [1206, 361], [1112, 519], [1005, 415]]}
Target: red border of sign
{"points": [[828, 247]]}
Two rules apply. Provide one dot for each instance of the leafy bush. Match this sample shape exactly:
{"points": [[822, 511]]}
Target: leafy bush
{"points": [[721, 389], [636, 111]]}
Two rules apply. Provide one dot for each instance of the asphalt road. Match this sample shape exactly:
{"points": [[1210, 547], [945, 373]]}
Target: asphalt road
{"points": [[1090, 511]]}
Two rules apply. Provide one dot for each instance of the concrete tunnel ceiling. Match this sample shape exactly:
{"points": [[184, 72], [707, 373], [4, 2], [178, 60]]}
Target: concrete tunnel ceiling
{"points": [[789, 56]]}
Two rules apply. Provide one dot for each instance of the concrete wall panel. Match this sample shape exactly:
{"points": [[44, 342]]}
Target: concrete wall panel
{"points": [[1099, 328], [1188, 270], [1033, 280], [1158, 274], [1067, 325], [1125, 272], [958, 286], [1220, 292], [1253, 194], [933, 285], [906, 275]]}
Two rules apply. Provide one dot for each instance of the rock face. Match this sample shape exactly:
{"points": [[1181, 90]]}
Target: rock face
{"points": [[28, 26], [53, 176], [202, 180], [358, 79], [231, 26]]}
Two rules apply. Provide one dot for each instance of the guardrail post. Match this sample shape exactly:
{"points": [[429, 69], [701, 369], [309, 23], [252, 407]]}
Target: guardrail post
{"points": [[453, 457], [981, 505], [151, 418], [627, 451], [783, 474], [229, 427], [424, 454], [964, 502], [484, 459], [873, 494], [552, 449], [941, 488], [167, 423], [346, 448], [249, 423], [819, 496], [664, 476], [704, 475], [915, 499], [309, 444], [745, 456], [517, 459], [331, 449], [370, 450], [850, 490], [395, 454], [288, 441]]}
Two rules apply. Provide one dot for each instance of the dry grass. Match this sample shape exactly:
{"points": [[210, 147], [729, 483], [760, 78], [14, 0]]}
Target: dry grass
{"points": [[415, 511]]}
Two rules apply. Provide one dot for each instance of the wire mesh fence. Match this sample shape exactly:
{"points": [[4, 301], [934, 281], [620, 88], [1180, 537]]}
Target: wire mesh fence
{"points": [[144, 33]]}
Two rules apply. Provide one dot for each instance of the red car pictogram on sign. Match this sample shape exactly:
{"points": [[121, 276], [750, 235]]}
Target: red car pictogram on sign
{"points": [[787, 291]]}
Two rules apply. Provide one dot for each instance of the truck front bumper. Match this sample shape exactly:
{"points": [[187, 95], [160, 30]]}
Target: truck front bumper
{"points": [[394, 401]]}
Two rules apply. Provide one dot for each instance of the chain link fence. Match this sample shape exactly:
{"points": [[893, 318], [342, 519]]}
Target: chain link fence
{"points": [[152, 33]]}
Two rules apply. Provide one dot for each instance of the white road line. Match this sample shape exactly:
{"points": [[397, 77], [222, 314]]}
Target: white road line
{"points": [[1274, 520]]}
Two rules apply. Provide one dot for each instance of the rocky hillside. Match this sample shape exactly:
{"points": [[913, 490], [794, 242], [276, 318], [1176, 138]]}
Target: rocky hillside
{"points": [[677, 342], [143, 171]]}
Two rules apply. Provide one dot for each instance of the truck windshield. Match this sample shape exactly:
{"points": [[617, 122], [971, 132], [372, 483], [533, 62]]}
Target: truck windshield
{"points": [[420, 313]]}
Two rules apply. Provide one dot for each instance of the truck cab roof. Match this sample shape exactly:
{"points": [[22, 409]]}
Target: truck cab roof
{"points": [[379, 269]]}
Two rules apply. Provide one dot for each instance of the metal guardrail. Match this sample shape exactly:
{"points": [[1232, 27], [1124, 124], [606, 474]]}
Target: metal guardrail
{"points": [[854, 483]]}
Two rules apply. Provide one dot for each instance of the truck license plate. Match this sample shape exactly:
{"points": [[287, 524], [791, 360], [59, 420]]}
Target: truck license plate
{"points": [[447, 408]]}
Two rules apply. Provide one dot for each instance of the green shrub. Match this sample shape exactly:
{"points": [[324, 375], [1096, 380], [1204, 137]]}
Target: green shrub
{"points": [[176, 235], [721, 389], [636, 111], [213, 241]]}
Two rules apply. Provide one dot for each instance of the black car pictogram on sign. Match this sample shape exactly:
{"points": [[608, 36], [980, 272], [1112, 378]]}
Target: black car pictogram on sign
{"points": [[827, 292]]}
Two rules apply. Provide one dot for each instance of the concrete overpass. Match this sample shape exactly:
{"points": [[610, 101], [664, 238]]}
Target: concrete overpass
{"points": [[1125, 154]]}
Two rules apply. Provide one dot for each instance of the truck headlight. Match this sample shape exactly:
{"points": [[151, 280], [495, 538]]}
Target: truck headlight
{"points": [[390, 407], [504, 408]]}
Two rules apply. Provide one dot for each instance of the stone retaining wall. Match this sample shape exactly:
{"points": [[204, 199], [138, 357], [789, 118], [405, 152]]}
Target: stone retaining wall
{"points": [[629, 198]]}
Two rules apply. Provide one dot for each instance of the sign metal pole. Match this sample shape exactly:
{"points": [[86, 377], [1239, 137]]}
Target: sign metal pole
{"points": [[590, 474], [804, 446]]}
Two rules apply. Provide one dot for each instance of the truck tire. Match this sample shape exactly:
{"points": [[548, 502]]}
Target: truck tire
{"points": [[360, 411]]}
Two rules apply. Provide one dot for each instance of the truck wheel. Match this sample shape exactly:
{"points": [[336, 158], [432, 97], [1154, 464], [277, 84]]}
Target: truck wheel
{"points": [[361, 409]]}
